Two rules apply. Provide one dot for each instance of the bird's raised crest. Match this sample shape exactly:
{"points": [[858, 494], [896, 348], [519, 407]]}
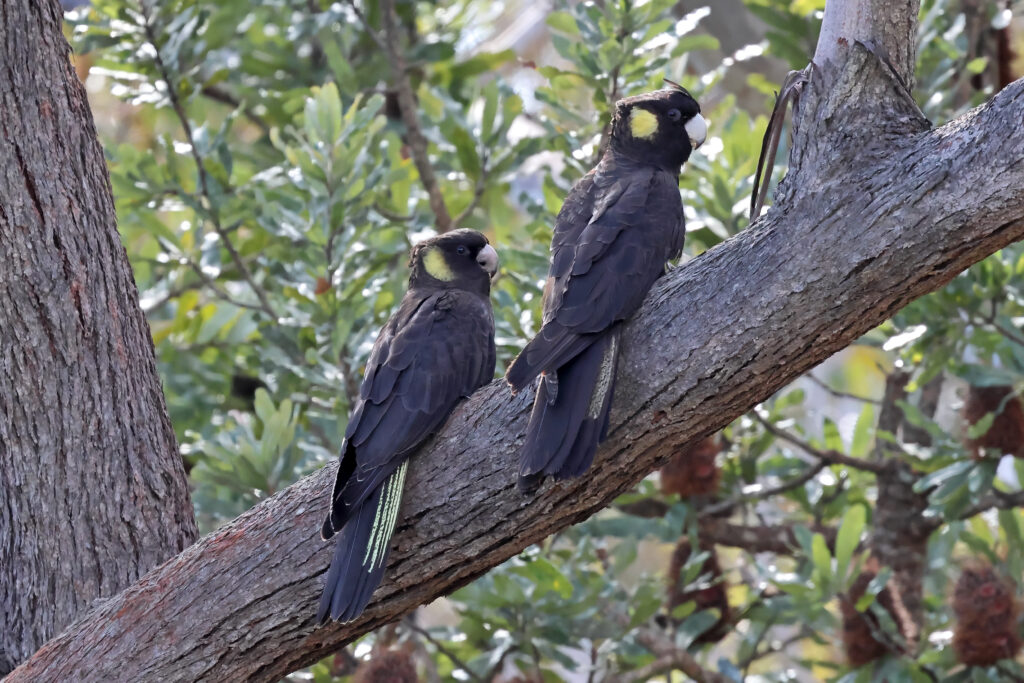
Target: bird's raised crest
{"points": [[676, 86]]}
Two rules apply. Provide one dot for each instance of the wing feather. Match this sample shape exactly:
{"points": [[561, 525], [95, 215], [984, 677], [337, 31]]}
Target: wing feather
{"points": [[432, 352]]}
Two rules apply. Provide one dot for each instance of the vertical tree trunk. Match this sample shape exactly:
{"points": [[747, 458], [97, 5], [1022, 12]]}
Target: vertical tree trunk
{"points": [[92, 489]]}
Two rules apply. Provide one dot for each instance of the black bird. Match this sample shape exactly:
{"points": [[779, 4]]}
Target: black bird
{"points": [[435, 350], [619, 225]]}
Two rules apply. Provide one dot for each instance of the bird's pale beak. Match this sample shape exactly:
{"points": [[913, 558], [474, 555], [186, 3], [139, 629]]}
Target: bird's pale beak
{"points": [[488, 260], [697, 129]]}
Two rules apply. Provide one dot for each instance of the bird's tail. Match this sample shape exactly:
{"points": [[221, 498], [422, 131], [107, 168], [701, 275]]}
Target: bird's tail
{"points": [[362, 552], [570, 415], [553, 347]]}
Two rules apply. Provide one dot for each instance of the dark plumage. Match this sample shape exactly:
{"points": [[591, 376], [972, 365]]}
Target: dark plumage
{"points": [[435, 350], [619, 225]]}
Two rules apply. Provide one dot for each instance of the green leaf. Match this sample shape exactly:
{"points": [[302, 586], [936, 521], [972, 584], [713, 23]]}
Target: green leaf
{"points": [[695, 626], [263, 405], [563, 21], [821, 558], [862, 432], [957, 470], [465, 148], [848, 537], [976, 65]]}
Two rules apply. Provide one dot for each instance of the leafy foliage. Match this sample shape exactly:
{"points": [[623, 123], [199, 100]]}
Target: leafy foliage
{"points": [[267, 198]]}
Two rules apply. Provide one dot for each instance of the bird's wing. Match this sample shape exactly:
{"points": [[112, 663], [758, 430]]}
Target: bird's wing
{"points": [[435, 350], [618, 254], [603, 262]]}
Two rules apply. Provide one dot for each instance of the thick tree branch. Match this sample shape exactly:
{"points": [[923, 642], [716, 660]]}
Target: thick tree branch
{"points": [[885, 25], [714, 338]]}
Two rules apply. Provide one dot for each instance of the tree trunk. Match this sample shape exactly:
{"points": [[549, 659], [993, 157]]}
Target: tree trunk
{"points": [[92, 489]]}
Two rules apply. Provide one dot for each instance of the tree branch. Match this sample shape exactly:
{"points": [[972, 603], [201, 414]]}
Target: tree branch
{"points": [[885, 25], [828, 457], [407, 105], [713, 339], [204, 183]]}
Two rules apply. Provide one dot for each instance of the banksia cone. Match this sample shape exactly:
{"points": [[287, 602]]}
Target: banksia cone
{"points": [[861, 630], [387, 666], [693, 471], [711, 595], [859, 627], [986, 611], [1006, 434]]}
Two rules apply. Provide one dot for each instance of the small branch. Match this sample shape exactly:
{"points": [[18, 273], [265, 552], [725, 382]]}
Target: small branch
{"points": [[370, 30], [770, 538], [219, 291], [391, 215], [997, 500], [407, 105], [790, 92], [1012, 335], [425, 634], [216, 94], [826, 457], [766, 492], [179, 110], [478, 193], [647, 672], [840, 394], [668, 657]]}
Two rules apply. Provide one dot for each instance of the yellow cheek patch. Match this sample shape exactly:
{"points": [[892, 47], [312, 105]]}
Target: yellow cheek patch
{"points": [[642, 123], [436, 265]]}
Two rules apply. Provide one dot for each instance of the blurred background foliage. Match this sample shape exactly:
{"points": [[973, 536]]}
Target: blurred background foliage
{"points": [[268, 195]]}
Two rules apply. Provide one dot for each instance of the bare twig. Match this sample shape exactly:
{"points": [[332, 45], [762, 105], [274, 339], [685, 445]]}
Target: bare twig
{"points": [[767, 491], [219, 291], [668, 657], [370, 30], [224, 97], [1012, 335], [791, 89], [828, 457], [997, 500], [454, 658], [767, 538], [478, 193], [407, 105], [840, 394]]}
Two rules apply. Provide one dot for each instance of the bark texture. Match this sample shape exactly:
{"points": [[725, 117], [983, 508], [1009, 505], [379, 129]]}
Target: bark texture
{"points": [[888, 214], [92, 489]]}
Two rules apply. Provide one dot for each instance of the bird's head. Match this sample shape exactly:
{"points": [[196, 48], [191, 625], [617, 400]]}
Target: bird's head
{"points": [[460, 259], [662, 127]]}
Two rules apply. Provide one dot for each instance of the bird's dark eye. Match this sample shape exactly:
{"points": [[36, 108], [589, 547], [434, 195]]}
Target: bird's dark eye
{"points": [[675, 114], [461, 251]]}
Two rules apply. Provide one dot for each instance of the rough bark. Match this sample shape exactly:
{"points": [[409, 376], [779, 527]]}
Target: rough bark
{"points": [[92, 489], [888, 26], [840, 255]]}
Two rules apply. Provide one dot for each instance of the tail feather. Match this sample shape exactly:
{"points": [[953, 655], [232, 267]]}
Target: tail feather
{"points": [[361, 553], [551, 348], [563, 435]]}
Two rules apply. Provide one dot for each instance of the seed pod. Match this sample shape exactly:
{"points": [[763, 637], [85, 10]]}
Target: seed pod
{"points": [[986, 609], [1006, 435], [710, 594], [693, 470]]}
